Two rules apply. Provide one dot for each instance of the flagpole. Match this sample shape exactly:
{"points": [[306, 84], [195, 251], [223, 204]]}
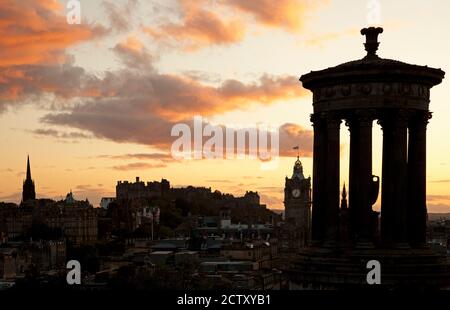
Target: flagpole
{"points": [[298, 151]]}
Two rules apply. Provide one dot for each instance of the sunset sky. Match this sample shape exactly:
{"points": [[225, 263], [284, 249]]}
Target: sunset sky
{"points": [[95, 103]]}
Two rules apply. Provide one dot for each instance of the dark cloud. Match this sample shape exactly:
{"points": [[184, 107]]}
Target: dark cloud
{"points": [[272, 188], [156, 156], [134, 55], [440, 181], [18, 83], [154, 131], [438, 197], [139, 166], [292, 135], [120, 17], [218, 181], [60, 135]]}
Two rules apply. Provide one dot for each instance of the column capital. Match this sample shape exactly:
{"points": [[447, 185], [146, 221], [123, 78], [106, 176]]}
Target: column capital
{"points": [[420, 119], [316, 119], [394, 119], [361, 118], [332, 119]]}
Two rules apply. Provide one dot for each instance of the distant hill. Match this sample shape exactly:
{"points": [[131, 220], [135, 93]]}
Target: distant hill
{"points": [[437, 216], [277, 211]]}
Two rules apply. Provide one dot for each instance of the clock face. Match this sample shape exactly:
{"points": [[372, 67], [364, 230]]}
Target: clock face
{"points": [[296, 193]]}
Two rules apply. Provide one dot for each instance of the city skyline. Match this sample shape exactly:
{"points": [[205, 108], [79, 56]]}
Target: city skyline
{"points": [[64, 103]]}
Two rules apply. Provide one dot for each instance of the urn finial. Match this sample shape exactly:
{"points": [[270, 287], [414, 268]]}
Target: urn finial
{"points": [[372, 43]]}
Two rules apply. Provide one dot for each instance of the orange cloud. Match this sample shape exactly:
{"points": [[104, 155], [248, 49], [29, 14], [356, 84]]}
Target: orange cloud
{"points": [[189, 97], [321, 39], [133, 54], [138, 166], [139, 85], [286, 14], [205, 22], [198, 29], [292, 135], [35, 32], [66, 81]]}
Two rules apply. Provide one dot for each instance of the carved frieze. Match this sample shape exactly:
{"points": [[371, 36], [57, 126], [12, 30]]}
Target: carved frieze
{"points": [[371, 95]]}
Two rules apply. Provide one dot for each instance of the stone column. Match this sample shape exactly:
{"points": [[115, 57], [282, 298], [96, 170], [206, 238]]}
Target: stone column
{"points": [[332, 179], [394, 182], [417, 209], [360, 183], [353, 185], [319, 178]]}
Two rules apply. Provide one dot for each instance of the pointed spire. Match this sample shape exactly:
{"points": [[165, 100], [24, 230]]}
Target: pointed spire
{"points": [[344, 199], [28, 191], [28, 168], [298, 169]]}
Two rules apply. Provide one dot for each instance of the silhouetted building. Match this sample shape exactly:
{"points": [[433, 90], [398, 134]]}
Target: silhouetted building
{"points": [[105, 201], [75, 220], [139, 189], [297, 202], [28, 191]]}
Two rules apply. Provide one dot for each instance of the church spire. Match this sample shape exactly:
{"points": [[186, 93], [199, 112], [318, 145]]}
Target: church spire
{"points": [[28, 191], [28, 168], [344, 199]]}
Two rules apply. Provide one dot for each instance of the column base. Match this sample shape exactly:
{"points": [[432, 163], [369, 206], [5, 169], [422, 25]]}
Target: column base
{"points": [[315, 243], [330, 244], [364, 245], [401, 245], [419, 245]]}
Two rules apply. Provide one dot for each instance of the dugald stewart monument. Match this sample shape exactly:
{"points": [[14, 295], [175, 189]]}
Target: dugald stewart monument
{"points": [[395, 95]]}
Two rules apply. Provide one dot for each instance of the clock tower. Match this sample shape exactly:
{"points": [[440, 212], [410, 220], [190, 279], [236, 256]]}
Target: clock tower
{"points": [[297, 203]]}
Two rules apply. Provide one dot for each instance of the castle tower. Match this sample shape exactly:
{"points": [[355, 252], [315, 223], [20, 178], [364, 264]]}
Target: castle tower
{"points": [[28, 185]]}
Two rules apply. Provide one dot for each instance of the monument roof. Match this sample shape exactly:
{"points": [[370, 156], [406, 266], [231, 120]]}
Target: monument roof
{"points": [[372, 68]]}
